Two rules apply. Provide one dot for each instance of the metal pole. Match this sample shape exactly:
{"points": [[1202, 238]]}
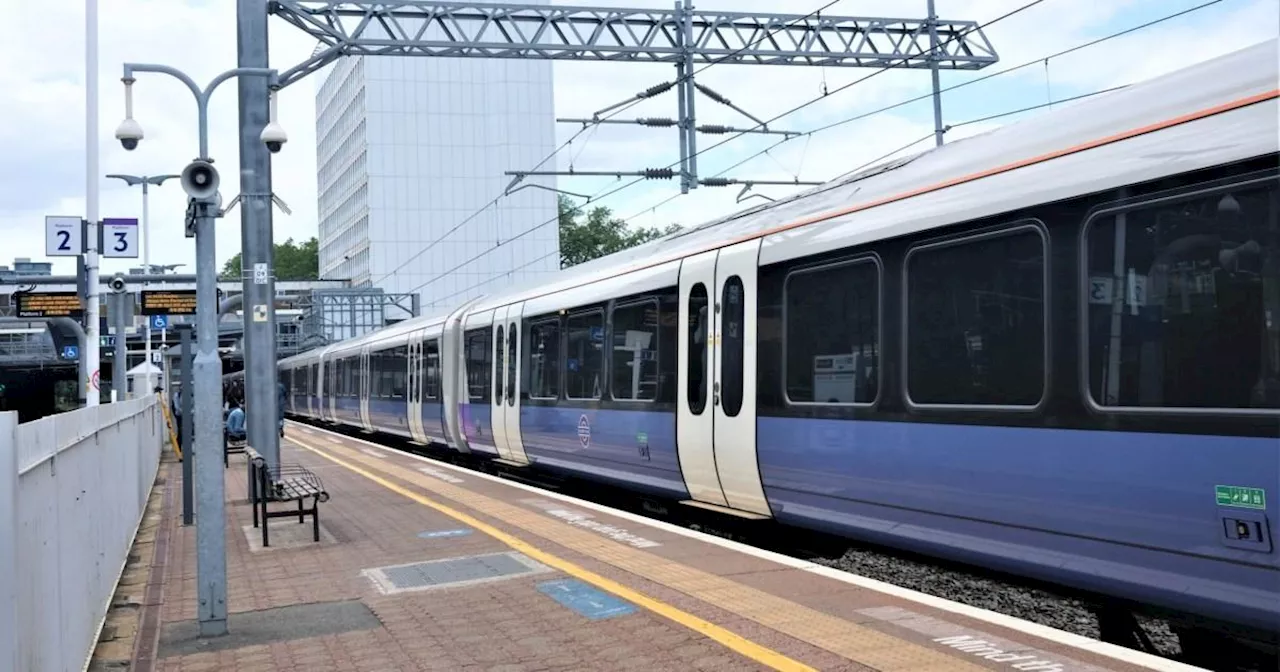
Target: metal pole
{"points": [[188, 456], [90, 350], [146, 270], [934, 58], [119, 370], [691, 94], [257, 268]]}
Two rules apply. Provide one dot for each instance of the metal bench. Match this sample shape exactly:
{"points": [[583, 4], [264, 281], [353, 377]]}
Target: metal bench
{"points": [[284, 483]]}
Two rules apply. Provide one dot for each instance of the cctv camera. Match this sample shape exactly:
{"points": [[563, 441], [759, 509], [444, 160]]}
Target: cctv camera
{"points": [[118, 285], [274, 137], [200, 180], [129, 133]]}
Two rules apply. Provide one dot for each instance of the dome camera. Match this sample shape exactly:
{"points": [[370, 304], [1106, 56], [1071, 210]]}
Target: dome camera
{"points": [[117, 284], [274, 137], [129, 133]]}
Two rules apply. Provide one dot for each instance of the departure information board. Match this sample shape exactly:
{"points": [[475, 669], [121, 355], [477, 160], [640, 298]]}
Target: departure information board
{"points": [[49, 304], [169, 302]]}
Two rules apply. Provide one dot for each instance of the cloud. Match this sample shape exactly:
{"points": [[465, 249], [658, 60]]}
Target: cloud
{"points": [[43, 129]]}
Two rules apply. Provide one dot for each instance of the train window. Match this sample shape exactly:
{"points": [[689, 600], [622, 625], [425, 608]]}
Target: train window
{"points": [[1182, 301], [499, 369], [733, 307], [832, 341], [399, 371], [478, 360], [513, 334], [699, 327], [976, 317], [544, 359], [584, 363], [635, 351], [431, 362]]}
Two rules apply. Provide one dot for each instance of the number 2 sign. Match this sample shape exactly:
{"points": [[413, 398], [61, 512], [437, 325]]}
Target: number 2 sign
{"points": [[63, 236]]}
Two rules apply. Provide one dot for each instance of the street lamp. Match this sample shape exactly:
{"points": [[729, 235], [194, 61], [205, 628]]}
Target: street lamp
{"points": [[200, 180], [145, 181]]}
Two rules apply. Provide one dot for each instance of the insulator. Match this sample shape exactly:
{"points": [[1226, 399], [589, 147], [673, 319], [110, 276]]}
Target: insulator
{"points": [[656, 121], [655, 90], [716, 129], [716, 182], [659, 173]]}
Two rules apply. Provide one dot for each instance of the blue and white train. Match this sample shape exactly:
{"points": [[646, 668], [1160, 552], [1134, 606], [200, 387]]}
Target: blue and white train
{"points": [[1052, 350]]}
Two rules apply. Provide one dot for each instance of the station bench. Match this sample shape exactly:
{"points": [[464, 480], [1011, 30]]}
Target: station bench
{"points": [[284, 483]]}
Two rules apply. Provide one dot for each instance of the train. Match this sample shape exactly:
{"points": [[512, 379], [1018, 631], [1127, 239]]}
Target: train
{"points": [[1050, 350]]}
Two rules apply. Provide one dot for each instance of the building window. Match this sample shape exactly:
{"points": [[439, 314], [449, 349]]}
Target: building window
{"points": [[733, 305], [699, 364], [544, 359], [635, 351], [478, 360], [976, 320], [584, 363], [1183, 302], [832, 340]]}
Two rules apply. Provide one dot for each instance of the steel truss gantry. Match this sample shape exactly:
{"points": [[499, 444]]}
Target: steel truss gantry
{"points": [[683, 37]]}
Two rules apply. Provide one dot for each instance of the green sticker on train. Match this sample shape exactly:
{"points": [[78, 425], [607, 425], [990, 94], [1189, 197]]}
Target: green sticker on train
{"points": [[1246, 498]]}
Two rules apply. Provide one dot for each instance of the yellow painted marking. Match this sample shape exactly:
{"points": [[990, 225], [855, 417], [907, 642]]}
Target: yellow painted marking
{"points": [[865, 645], [742, 645]]}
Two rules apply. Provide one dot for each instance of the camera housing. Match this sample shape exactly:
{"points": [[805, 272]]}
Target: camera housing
{"points": [[129, 133], [274, 137]]}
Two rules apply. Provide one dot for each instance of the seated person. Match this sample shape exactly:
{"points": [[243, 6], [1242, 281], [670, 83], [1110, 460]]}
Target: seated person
{"points": [[235, 423]]}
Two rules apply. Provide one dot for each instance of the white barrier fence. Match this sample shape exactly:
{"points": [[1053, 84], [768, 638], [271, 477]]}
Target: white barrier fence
{"points": [[73, 488]]}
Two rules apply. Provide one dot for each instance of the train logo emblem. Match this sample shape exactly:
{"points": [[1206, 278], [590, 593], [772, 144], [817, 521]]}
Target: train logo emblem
{"points": [[584, 431]]}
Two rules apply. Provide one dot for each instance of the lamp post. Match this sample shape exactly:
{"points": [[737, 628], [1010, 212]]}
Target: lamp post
{"points": [[200, 180], [145, 181]]}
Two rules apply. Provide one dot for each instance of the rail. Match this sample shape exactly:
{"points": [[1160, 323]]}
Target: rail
{"points": [[73, 488]]}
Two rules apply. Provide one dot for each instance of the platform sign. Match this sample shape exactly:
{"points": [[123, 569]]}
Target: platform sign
{"points": [[168, 302], [159, 322], [120, 238], [63, 236], [49, 304]]}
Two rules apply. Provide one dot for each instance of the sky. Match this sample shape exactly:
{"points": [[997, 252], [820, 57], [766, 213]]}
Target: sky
{"points": [[43, 119]]}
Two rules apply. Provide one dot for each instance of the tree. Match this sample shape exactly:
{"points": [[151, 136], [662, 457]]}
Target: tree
{"points": [[292, 261], [601, 234]]}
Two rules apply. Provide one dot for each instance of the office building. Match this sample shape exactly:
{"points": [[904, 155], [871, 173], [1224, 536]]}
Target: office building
{"points": [[409, 149]]}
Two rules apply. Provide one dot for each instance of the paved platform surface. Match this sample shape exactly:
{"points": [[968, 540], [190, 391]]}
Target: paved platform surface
{"points": [[424, 567]]}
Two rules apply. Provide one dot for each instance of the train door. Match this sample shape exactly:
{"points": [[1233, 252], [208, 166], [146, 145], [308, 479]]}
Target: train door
{"points": [[716, 422], [506, 388], [414, 388], [366, 387]]}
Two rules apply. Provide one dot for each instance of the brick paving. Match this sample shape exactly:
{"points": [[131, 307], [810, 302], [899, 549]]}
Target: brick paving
{"points": [[509, 624]]}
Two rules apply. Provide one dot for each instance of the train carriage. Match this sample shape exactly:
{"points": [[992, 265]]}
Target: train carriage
{"points": [[1052, 349]]}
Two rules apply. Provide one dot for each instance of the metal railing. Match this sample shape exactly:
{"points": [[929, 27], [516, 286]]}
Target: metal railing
{"points": [[73, 488]]}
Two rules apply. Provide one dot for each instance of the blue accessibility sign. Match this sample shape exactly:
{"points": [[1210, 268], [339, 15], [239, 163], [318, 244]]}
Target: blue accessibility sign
{"points": [[70, 351], [159, 321]]}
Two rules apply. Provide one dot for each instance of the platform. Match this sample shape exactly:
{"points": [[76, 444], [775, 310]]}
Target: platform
{"points": [[424, 566]]}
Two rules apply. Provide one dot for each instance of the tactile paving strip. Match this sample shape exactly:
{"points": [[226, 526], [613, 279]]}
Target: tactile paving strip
{"points": [[858, 643], [452, 572]]}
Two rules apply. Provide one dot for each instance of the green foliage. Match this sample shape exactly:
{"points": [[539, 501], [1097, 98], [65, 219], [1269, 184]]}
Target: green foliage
{"points": [[292, 261], [601, 234]]}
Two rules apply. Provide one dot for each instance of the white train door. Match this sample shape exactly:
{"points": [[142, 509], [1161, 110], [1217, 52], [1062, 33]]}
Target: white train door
{"points": [[717, 446], [366, 378], [506, 389], [413, 390]]}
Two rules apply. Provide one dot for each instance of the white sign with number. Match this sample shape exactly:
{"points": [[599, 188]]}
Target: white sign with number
{"points": [[63, 236], [260, 274], [1101, 289], [120, 238]]}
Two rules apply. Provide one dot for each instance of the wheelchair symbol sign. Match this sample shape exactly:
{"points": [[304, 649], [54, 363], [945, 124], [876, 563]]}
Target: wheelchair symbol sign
{"points": [[159, 321]]}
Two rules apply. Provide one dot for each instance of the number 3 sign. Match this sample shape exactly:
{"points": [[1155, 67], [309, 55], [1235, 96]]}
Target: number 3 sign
{"points": [[120, 238]]}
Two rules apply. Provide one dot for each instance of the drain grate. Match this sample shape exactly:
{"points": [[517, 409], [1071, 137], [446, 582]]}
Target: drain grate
{"points": [[453, 572]]}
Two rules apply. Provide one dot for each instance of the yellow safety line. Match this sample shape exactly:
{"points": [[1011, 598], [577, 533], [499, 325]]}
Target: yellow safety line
{"points": [[742, 645], [168, 423]]}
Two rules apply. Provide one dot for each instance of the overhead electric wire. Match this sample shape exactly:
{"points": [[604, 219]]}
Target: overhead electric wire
{"points": [[594, 124], [893, 106]]}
